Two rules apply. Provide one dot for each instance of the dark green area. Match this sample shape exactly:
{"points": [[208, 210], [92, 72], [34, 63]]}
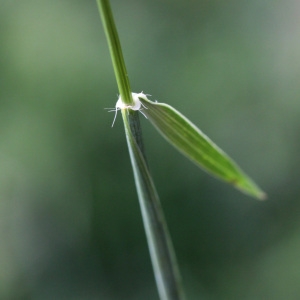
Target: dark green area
{"points": [[70, 224]]}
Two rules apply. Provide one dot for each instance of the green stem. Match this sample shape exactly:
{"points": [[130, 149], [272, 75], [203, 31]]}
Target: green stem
{"points": [[161, 250], [159, 242], [115, 51]]}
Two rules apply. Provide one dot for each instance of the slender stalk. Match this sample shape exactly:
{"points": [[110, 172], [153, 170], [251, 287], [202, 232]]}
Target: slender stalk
{"points": [[159, 242], [163, 257], [115, 50]]}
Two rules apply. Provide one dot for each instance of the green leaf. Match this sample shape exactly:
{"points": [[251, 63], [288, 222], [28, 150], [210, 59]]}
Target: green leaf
{"points": [[195, 145], [160, 246]]}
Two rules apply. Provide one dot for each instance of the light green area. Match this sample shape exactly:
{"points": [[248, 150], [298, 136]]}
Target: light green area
{"points": [[196, 146], [115, 50]]}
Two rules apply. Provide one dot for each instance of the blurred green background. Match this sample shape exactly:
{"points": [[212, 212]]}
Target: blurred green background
{"points": [[70, 225]]}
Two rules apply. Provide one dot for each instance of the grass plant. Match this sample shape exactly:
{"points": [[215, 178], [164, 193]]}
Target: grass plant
{"points": [[186, 138]]}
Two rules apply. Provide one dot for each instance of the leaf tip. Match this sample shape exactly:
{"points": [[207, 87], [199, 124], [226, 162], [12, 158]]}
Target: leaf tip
{"points": [[250, 188], [262, 196]]}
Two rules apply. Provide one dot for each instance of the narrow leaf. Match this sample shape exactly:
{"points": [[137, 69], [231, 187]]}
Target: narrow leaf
{"points": [[160, 246], [195, 145]]}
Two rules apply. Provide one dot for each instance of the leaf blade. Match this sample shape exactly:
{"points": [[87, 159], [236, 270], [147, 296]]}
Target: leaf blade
{"points": [[162, 254], [195, 145]]}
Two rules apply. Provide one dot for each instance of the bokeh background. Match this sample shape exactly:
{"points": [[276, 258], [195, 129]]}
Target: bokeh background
{"points": [[70, 225]]}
